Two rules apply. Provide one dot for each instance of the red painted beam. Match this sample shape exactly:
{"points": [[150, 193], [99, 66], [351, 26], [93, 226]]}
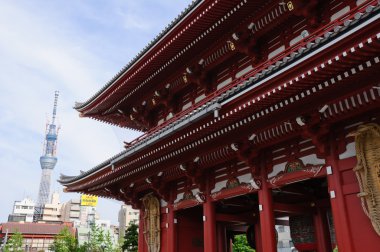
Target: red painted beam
{"points": [[238, 218], [282, 222], [292, 208]]}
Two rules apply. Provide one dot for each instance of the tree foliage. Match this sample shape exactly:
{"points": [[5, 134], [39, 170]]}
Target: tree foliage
{"points": [[241, 244], [64, 241], [108, 244], [99, 241], [131, 238], [14, 243], [96, 238]]}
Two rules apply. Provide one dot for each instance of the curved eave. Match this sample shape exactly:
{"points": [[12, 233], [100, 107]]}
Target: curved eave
{"points": [[66, 180], [81, 106], [115, 122], [201, 23]]}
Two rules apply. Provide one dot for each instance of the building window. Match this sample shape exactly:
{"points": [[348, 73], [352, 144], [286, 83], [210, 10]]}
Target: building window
{"points": [[280, 244], [280, 229]]}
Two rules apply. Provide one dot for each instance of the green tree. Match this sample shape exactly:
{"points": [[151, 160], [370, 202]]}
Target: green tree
{"points": [[241, 244], [14, 243], [99, 241], [131, 238], [108, 244], [120, 243], [96, 238], [64, 241]]}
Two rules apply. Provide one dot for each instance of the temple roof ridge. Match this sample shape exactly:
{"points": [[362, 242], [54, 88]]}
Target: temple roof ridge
{"points": [[191, 6], [243, 85]]}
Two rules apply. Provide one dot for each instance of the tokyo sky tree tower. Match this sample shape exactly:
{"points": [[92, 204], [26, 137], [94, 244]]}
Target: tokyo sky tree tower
{"points": [[48, 161]]}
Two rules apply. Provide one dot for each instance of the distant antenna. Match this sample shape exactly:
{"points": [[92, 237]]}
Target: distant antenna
{"points": [[56, 94], [48, 161]]}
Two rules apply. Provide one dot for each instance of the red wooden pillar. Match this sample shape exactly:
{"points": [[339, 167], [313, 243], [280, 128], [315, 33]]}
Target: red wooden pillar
{"points": [[338, 206], [267, 224], [172, 237], [321, 231], [258, 240], [221, 237], [209, 225], [141, 245]]}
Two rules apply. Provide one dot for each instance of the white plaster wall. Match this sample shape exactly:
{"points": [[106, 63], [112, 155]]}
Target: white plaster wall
{"points": [[295, 40], [312, 159], [170, 115], [350, 151], [276, 169], [224, 83], [179, 197], [161, 121], [244, 71], [219, 186], [245, 178], [163, 203], [199, 98], [195, 191], [186, 106], [276, 52], [340, 13], [359, 2]]}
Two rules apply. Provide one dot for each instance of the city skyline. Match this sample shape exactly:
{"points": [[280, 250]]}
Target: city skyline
{"points": [[75, 48]]}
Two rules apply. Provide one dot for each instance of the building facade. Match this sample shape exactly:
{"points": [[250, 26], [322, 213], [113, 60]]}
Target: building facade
{"points": [[71, 211], [51, 212], [22, 211], [126, 216], [253, 112]]}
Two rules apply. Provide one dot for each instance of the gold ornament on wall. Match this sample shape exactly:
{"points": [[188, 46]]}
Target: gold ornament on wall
{"points": [[290, 5], [231, 45], [184, 77]]}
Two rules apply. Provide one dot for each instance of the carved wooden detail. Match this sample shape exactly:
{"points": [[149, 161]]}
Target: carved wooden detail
{"points": [[296, 170]]}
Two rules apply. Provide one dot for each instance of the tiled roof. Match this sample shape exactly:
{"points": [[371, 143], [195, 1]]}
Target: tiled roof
{"points": [[328, 35], [34, 228]]}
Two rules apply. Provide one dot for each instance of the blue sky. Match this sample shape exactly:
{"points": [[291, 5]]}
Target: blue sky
{"points": [[74, 46]]}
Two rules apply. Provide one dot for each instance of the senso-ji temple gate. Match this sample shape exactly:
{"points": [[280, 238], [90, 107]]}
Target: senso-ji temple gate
{"points": [[254, 113]]}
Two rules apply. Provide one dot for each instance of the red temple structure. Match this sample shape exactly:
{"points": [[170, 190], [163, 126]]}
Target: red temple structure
{"points": [[255, 113]]}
